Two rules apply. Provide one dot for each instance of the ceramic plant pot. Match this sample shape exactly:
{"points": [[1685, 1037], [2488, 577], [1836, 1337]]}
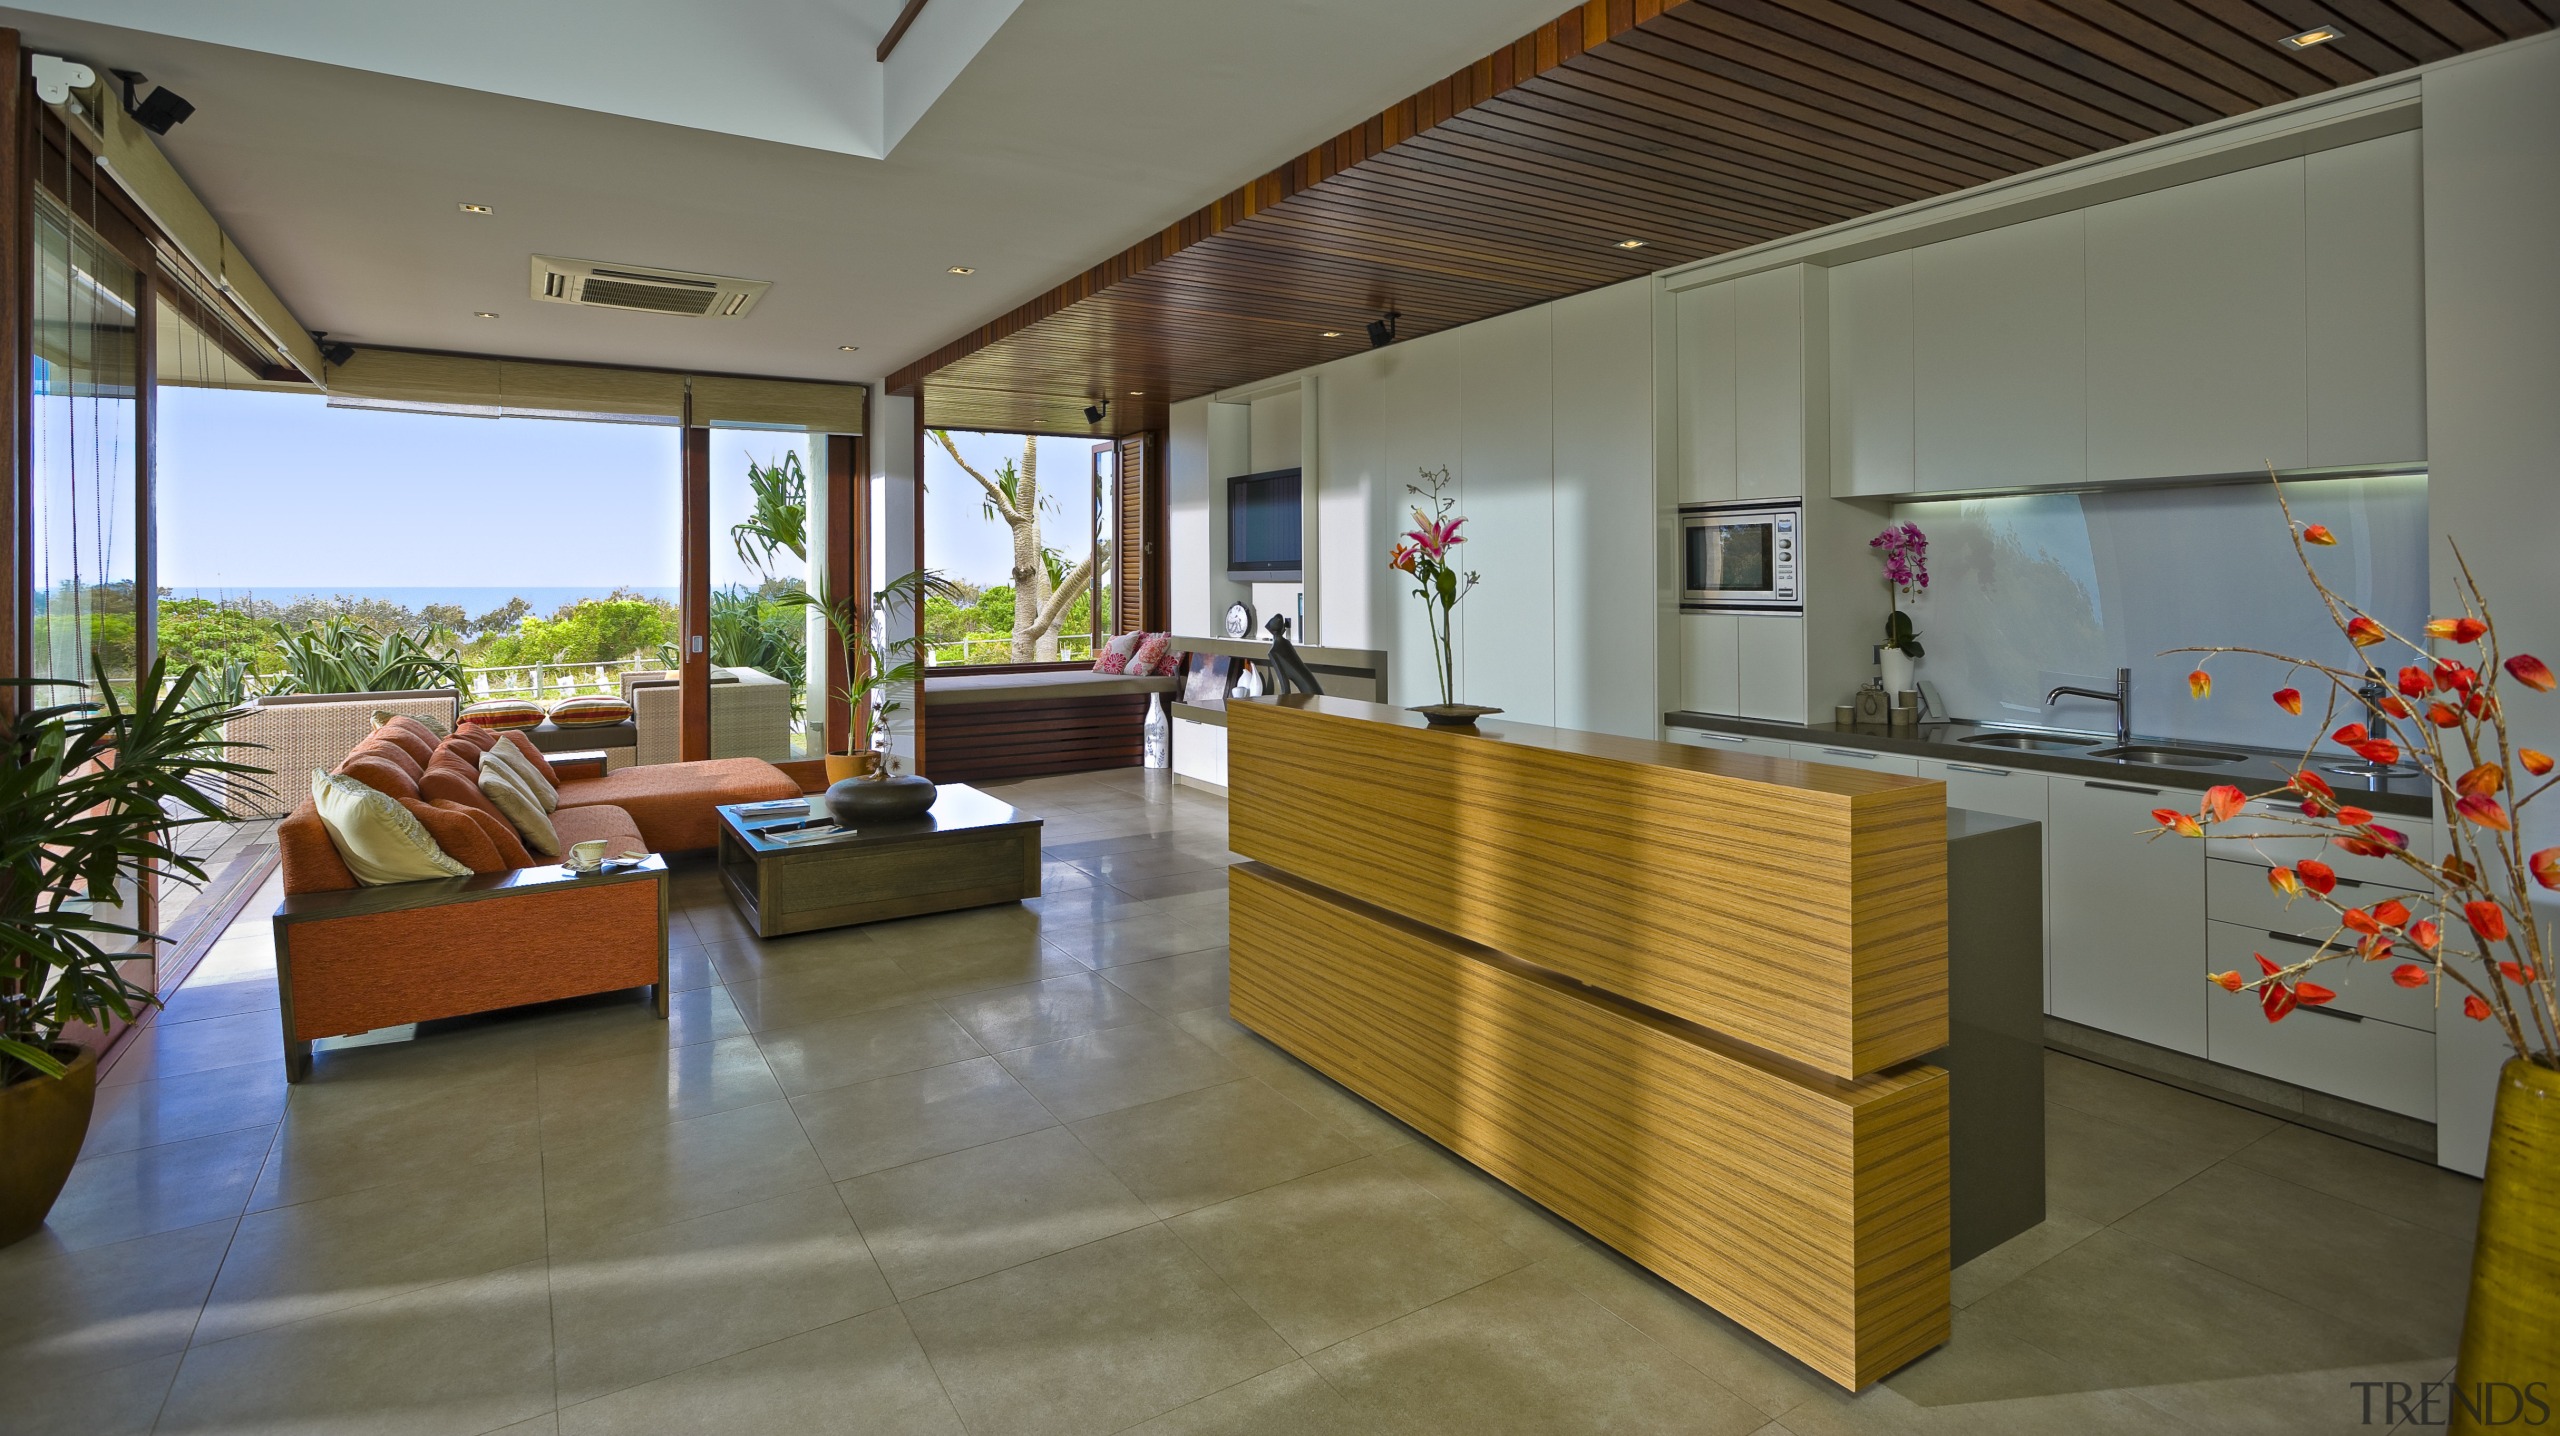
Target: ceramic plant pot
{"points": [[841, 766], [862, 802], [1454, 715], [43, 1121], [2511, 1326], [1897, 669]]}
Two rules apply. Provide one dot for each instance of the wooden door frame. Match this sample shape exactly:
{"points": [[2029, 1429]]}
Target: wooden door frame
{"points": [[693, 741]]}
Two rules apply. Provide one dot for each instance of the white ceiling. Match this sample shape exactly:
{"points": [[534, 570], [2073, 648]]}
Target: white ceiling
{"points": [[1076, 128]]}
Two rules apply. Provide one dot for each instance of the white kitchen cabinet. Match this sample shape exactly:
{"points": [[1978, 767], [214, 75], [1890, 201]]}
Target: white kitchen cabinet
{"points": [[2342, 1047], [1871, 376], [2364, 989], [2128, 929], [2365, 268], [2197, 318], [1711, 662], [1867, 758], [1751, 743], [1703, 325], [2000, 340], [2238, 893], [1771, 684], [1780, 337]]}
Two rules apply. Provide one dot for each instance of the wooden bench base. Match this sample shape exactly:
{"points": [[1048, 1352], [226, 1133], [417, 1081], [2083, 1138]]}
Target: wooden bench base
{"points": [[1025, 738]]}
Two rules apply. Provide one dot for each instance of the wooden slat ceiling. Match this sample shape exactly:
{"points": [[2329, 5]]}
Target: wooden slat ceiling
{"points": [[1698, 128]]}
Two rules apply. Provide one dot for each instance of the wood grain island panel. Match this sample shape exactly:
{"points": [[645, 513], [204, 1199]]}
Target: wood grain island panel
{"points": [[1797, 908], [1811, 1209]]}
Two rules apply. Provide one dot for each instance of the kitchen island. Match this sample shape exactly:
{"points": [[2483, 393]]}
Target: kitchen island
{"points": [[1685, 999]]}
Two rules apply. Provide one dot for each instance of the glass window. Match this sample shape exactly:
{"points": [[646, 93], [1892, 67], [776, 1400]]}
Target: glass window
{"points": [[1011, 520], [82, 441], [763, 548]]}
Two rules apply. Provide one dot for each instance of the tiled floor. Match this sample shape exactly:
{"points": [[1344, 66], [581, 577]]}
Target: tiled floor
{"points": [[1014, 1171]]}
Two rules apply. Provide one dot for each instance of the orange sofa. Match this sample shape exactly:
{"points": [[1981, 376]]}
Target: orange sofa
{"points": [[520, 929]]}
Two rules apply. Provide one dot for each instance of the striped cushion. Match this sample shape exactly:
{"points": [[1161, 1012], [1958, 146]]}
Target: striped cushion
{"points": [[502, 713], [594, 712]]}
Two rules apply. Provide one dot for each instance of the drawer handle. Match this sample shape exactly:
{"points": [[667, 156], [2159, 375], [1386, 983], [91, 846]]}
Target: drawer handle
{"points": [[1969, 768], [2296, 937], [2330, 1012], [1720, 737], [2122, 788], [1860, 754]]}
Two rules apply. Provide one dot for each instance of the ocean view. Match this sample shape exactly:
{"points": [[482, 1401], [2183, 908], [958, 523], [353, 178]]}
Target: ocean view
{"points": [[540, 598]]}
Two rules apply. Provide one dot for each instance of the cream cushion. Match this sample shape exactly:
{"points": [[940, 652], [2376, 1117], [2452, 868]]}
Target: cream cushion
{"points": [[381, 841], [507, 793], [529, 777]]}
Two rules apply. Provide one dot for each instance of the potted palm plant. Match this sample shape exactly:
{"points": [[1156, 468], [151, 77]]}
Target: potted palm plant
{"points": [[861, 786], [91, 794]]}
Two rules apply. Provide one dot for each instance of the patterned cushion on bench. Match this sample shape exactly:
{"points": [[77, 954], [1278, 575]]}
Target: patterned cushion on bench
{"points": [[591, 712], [502, 713]]}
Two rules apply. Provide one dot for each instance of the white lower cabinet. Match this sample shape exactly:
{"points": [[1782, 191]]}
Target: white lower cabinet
{"points": [[1867, 758], [2127, 926], [2012, 793], [1733, 742], [2346, 1047]]}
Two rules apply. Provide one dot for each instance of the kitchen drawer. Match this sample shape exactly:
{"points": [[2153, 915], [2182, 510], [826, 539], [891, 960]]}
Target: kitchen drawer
{"points": [[1733, 742], [2260, 853], [1988, 787], [1856, 758], [2380, 1064], [2363, 988], [2238, 893]]}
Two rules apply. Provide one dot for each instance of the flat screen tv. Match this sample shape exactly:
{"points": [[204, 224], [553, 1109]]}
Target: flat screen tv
{"points": [[1264, 543]]}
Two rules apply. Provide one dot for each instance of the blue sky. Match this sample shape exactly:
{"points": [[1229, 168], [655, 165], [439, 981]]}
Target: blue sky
{"points": [[280, 492]]}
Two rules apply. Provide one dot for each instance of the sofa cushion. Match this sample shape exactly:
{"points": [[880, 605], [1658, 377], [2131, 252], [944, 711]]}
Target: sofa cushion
{"points": [[381, 773], [421, 724], [502, 713], [520, 768], [602, 821], [310, 861], [672, 802], [406, 734], [455, 831], [447, 781], [501, 786], [383, 747], [523, 743], [589, 712], [381, 841], [478, 737]]}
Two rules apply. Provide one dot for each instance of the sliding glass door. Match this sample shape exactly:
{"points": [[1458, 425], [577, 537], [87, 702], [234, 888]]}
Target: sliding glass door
{"points": [[83, 438]]}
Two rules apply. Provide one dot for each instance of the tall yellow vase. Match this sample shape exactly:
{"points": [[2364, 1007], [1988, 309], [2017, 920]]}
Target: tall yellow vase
{"points": [[2511, 1331]]}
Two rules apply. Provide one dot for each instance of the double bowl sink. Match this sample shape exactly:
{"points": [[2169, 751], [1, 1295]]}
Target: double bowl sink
{"points": [[2148, 755]]}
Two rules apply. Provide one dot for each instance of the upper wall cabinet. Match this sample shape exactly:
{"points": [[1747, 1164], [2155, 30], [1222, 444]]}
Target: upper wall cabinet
{"points": [[2199, 359], [1747, 413], [1871, 380], [2365, 265], [2000, 340]]}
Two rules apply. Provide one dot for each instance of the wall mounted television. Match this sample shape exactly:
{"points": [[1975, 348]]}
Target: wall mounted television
{"points": [[1265, 540]]}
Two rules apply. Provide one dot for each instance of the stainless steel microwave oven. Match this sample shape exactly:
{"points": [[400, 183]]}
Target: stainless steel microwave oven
{"points": [[1742, 558]]}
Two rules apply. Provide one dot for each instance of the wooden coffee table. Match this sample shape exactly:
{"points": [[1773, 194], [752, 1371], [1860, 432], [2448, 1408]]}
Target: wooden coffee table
{"points": [[969, 851]]}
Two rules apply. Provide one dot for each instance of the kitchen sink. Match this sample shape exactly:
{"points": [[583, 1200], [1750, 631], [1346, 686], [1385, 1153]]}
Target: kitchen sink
{"points": [[2160, 756], [2030, 742]]}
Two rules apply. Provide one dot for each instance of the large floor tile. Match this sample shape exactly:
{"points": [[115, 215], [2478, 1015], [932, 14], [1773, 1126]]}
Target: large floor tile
{"points": [[636, 1178], [1204, 1147], [123, 1195], [2337, 1257], [1289, 1400], [632, 1308], [1526, 1353], [2173, 1115], [1114, 1068], [2099, 1170], [2304, 1403], [372, 1123], [753, 959], [2420, 1192], [985, 964], [1091, 1340], [1179, 983], [664, 1085], [1349, 1248], [1005, 1018], [1163, 889], [235, 994], [944, 1220], [1319, 1095], [82, 1313], [457, 1359], [174, 1109], [1736, 1359], [907, 1117], [838, 988], [1478, 1198], [862, 1377], [124, 1401], [174, 1049], [1136, 939], [811, 1057], [296, 1262], [2017, 1256]]}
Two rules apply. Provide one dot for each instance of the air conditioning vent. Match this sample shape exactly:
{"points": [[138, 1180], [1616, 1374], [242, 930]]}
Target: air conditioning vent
{"points": [[649, 291]]}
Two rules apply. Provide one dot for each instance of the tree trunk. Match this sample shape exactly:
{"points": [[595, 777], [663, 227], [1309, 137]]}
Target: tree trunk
{"points": [[1030, 575]]}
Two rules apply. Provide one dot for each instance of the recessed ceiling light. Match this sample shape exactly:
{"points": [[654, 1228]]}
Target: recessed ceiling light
{"points": [[483, 314], [1330, 334], [477, 209], [1631, 244], [848, 348], [1137, 393], [960, 269], [2317, 35]]}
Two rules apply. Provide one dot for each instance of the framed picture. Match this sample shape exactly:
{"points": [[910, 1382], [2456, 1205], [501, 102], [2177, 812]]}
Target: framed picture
{"points": [[1211, 675]]}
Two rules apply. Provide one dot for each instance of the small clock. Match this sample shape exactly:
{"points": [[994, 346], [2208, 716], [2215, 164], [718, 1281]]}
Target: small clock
{"points": [[1239, 620]]}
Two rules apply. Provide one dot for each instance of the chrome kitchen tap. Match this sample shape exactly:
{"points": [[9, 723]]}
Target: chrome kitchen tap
{"points": [[2122, 698]]}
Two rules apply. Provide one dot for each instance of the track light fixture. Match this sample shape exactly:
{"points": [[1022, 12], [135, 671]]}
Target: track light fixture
{"points": [[1094, 412], [1382, 331], [162, 112]]}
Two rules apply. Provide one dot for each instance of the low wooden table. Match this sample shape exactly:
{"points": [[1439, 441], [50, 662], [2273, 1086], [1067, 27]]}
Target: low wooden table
{"points": [[969, 851]]}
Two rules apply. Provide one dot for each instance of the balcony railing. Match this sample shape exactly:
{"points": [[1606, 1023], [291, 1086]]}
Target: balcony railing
{"points": [[543, 682], [1072, 648]]}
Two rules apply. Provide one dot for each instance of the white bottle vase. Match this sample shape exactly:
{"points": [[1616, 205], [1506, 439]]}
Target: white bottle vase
{"points": [[1897, 669]]}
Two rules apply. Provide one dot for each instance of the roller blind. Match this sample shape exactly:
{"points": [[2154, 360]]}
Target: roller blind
{"points": [[478, 384], [724, 402]]}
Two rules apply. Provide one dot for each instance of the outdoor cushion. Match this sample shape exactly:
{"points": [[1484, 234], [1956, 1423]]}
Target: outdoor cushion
{"points": [[461, 838], [379, 839], [589, 712], [498, 714], [600, 821], [380, 774], [450, 780], [423, 727], [501, 786], [385, 748], [409, 738], [310, 860], [672, 802], [478, 737], [523, 743], [520, 768]]}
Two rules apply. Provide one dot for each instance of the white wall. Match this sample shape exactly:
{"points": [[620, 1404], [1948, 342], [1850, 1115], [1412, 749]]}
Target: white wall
{"points": [[893, 476], [1544, 418]]}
